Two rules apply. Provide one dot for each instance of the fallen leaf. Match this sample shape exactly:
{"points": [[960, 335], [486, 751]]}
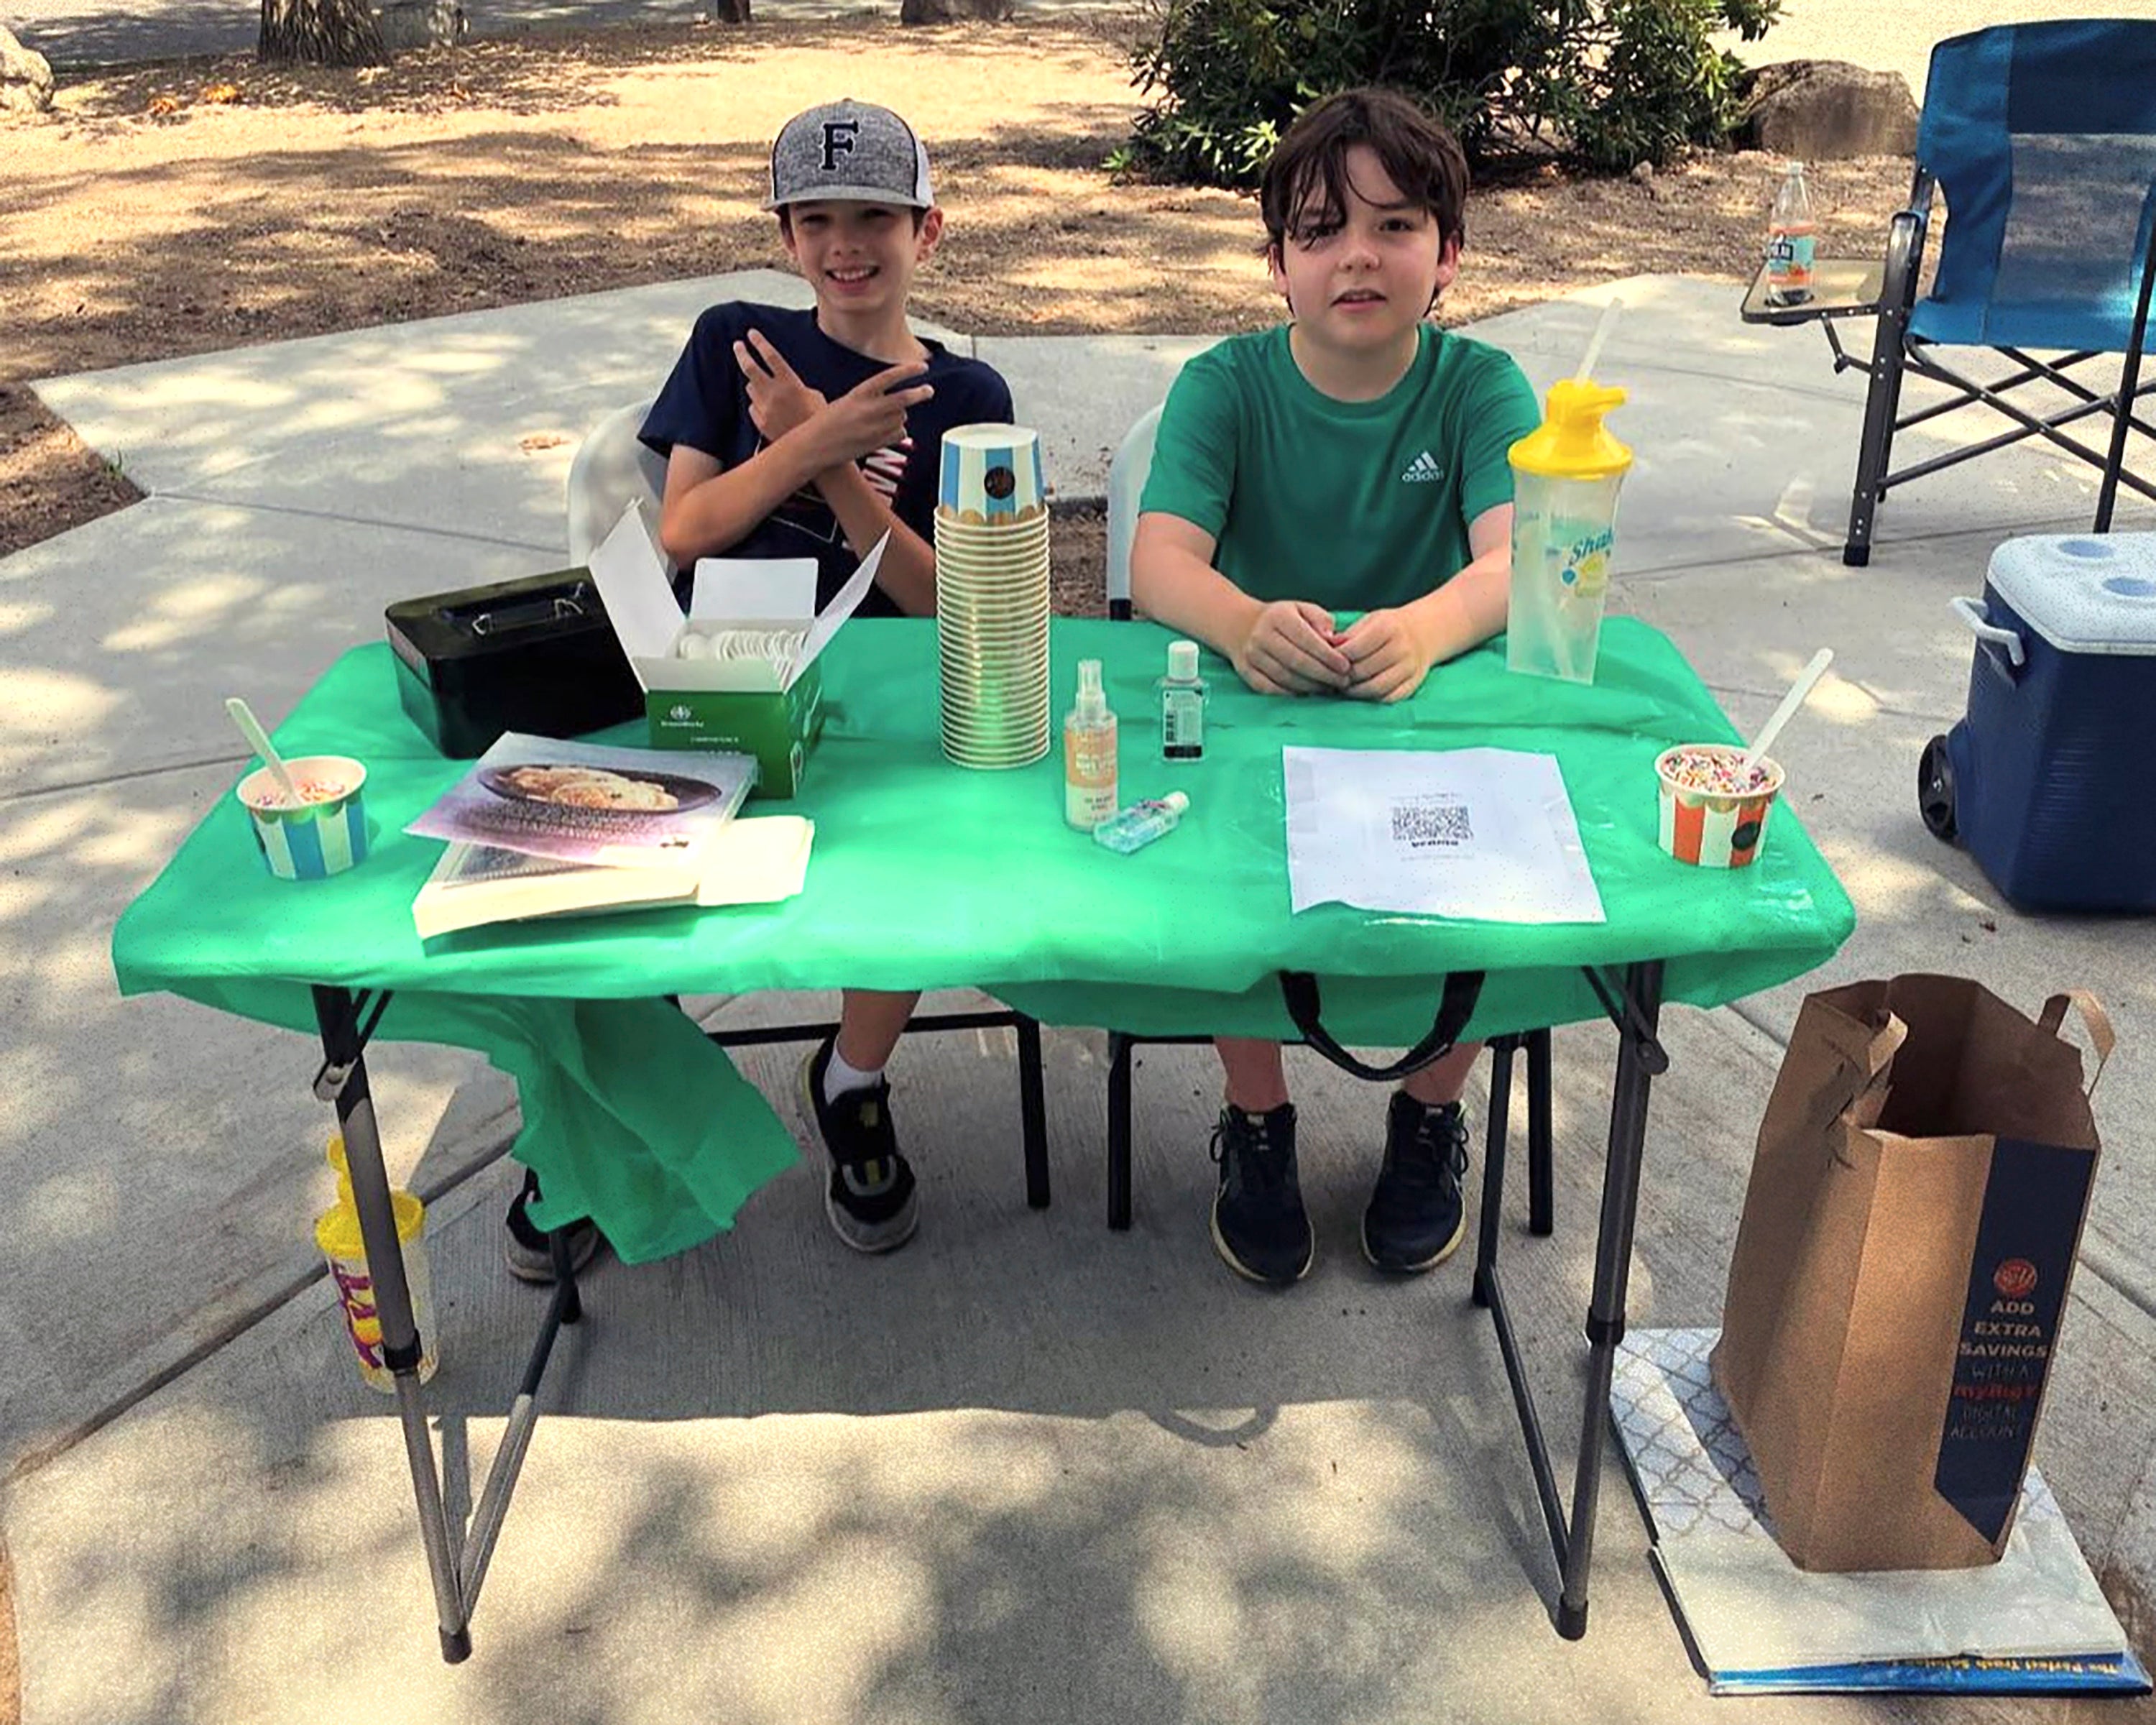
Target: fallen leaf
{"points": [[541, 440], [164, 106], [220, 94], [1987, 925]]}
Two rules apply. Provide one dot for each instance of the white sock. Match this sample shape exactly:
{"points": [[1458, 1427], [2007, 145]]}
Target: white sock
{"points": [[839, 1077]]}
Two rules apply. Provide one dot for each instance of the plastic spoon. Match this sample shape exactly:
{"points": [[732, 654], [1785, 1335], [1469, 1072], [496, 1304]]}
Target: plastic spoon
{"points": [[258, 739], [1783, 714]]}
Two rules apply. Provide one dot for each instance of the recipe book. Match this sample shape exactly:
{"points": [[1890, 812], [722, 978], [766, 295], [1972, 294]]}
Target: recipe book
{"points": [[745, 862], [590, 803]]}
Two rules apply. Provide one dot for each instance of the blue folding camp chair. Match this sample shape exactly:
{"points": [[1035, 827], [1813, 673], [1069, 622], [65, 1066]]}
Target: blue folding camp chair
{"points": [[2043, 139]]}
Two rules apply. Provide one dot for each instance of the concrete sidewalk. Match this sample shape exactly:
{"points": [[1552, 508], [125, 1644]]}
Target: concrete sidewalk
{"points": [[1026, 1468]]}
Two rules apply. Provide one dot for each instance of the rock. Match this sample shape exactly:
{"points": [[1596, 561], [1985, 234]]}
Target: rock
{"points": [[951, 11], [1824, 110], [406, 24], [26, 77], [1643, 173]]}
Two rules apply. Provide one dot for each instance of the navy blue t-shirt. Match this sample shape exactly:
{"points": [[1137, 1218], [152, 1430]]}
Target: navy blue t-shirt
{"points": [[704, 405]]}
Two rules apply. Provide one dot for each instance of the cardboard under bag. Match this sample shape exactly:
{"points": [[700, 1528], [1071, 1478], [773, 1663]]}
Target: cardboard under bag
{"points": [[1901, 1266]]}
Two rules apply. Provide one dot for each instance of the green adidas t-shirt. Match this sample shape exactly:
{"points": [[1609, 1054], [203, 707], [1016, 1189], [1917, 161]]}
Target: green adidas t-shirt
{"points": [[1353, 504]]}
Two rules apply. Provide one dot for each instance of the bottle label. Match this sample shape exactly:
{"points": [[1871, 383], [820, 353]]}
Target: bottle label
{"points": [[1583, 564], [1790, 256], [1089, 776], [1182, 723]]}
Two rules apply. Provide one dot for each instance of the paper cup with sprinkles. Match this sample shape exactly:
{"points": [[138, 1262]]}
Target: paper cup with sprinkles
{"points": [[1713, 814], [324, 834]]}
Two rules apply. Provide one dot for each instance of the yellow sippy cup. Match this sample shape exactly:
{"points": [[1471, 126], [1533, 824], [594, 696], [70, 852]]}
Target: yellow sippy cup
{"points": [[1565, 479], [336, 1232]]}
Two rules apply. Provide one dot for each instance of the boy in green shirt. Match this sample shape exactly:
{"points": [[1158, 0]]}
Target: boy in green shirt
{"points": [[1351, 460]]}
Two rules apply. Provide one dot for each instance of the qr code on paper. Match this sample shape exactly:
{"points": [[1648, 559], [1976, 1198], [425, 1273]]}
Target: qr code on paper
{"points": [[1431, 824]]}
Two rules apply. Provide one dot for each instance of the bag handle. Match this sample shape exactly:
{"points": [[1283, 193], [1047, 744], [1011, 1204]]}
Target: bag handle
{"points": [[1874, 1070], [1454, 1007], [2096, 1022]]}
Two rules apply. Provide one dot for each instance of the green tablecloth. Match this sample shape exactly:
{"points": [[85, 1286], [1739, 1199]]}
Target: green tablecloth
{"points": [[925, 876]]}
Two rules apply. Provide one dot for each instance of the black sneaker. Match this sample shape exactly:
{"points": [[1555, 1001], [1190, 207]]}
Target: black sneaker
{"points": [[871, 1200], [524, 1245], [1258, 1227], [1416, 1218]]}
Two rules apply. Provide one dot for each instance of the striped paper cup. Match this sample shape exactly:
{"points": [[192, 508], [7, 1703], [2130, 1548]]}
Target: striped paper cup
{"points": [[1705, 819], [991, 476], [320, 838]]}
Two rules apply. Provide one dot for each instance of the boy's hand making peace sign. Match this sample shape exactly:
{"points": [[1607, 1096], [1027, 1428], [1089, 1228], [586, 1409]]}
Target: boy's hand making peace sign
{"points": [[867, 418]]}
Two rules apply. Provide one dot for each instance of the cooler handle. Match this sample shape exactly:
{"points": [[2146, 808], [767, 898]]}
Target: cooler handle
{"points": [[1972, 612]]}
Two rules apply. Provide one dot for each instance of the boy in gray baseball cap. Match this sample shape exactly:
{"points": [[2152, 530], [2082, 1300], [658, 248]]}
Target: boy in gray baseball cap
{"points": [[813, 434]]}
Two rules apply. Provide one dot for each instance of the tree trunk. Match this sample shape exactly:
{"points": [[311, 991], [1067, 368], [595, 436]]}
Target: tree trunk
{"points": [[323, 33], [730, 11]]}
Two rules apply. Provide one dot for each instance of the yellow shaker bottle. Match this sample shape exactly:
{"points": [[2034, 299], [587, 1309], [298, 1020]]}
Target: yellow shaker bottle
{"points": [[1565, 480], [336, 1232]]}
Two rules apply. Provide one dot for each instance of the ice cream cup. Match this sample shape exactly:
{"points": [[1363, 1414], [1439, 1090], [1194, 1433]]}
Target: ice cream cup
{"points": [[1707, 817], [316, 838]]}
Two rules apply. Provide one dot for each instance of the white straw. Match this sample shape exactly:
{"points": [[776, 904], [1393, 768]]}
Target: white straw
{"points": [[1783, 714], [1585, 372]]}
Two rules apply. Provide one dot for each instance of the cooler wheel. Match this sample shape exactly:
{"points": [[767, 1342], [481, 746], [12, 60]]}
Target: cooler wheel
{"points": [[1935, 789]]}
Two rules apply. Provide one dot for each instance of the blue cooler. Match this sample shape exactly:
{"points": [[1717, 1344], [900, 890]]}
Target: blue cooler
{"points": [[2049, 779]]}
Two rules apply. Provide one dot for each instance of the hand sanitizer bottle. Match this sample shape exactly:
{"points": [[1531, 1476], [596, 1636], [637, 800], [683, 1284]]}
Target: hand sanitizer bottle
{"points": [[1182, 705], [1089, 753], [1142, 823]]}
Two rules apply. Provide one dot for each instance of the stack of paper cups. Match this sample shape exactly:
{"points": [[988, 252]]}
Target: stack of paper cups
{"points": [[991, 596]]}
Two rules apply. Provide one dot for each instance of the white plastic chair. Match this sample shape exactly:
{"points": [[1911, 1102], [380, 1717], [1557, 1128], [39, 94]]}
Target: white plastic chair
{"points": [[1126, 476], [611, 470]]}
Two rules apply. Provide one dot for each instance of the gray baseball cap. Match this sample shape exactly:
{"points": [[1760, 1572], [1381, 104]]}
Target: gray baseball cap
{"points": [[849, 150]]}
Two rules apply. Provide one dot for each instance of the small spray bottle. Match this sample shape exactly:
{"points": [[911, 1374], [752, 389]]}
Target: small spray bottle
{"points": [[1142, 823], [1089, 753], [1182, 705]]}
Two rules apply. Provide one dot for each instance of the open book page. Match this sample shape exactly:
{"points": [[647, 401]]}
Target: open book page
{"points": [[758, 861], [588, 803], [1485, 835]]}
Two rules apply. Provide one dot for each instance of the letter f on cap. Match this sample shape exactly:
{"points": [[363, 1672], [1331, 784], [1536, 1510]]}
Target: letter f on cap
{"points": [[838, 141]]}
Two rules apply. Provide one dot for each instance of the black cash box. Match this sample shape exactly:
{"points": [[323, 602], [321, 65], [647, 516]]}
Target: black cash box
{"points": [[534, 655]]}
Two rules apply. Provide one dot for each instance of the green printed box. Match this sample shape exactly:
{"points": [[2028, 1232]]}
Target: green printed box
{"points": [[778, 728], [739, 671]]}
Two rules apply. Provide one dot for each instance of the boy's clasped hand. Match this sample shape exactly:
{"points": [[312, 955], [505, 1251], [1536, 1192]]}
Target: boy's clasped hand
{"points": [[1293, 649]]}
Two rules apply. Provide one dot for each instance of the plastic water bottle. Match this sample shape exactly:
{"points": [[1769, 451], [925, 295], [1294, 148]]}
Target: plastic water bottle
{"points": [[1792, 239], [1565, 480]]}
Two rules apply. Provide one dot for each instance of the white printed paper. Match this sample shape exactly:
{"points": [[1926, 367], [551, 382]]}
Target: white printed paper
{"points": [[1480, 835]]}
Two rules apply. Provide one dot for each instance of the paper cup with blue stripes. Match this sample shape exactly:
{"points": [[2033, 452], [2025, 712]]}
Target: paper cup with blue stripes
{"points": [[324, 836], [990, 477]]}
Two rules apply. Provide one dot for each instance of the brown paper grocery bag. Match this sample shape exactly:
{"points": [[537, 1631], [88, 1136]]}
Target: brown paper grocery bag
{"points": [[1909, 1234]]}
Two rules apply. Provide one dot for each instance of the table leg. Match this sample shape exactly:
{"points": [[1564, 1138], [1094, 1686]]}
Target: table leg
{"points": [[1638, 1056], [338, 1014], [1541, 1207], [1502, 1050], [1119, 1130]]}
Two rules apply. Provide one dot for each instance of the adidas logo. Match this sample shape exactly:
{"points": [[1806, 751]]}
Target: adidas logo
{"points": [[1422, 471]]}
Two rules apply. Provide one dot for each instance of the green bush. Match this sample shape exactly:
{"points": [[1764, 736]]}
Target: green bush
{"points": [[1609, 82]]}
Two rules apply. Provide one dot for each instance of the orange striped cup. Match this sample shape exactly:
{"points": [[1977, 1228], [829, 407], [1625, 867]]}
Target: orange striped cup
{"points": [[1704, 818]]}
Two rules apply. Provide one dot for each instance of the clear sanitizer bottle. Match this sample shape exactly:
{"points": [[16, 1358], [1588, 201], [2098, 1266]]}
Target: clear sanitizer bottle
{"points": [[1142, 823], [1182, 705]]}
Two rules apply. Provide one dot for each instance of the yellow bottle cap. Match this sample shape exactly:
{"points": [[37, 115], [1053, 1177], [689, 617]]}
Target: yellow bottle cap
{"points": [[1572, 442]]}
